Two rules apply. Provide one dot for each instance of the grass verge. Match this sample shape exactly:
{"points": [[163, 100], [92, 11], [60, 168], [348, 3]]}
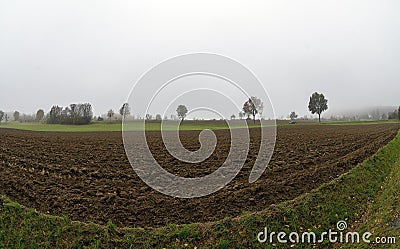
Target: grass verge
{"points": [[367, 198]]}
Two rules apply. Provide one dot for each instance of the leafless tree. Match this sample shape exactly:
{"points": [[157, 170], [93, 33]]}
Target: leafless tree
{"points": [[293, 115], [252, 107]]}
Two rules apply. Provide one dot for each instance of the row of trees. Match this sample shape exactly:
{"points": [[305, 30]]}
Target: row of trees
{"points": [[74, 114], [251, 108], [125, 110], [22, 117], [16, 115], [83, 114], [39, 116]]}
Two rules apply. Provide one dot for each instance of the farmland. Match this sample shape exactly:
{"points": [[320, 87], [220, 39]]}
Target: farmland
{"points": [[117, 126], [87, 176], [155, 125]]}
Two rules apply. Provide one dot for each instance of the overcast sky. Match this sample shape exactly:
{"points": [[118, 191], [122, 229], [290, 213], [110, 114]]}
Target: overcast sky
{"points": [[59, 52]]}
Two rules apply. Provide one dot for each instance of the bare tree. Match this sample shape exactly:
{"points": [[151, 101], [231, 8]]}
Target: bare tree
{"points": [[85, 113], [252, 107], [241, 115], [149, 116], [293, 115], [181, 111]]}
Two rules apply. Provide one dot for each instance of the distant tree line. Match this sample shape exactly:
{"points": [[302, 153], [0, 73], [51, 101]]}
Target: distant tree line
{"points": [[77, 114]]}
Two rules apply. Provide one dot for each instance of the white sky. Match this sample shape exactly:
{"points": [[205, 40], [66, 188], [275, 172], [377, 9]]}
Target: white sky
{"points": [[59, 52]]}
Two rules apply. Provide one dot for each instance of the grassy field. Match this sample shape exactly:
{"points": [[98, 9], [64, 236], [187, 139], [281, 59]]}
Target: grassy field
{"points": [[154, 125], [64, 128], [367, 198], [117, 126]]}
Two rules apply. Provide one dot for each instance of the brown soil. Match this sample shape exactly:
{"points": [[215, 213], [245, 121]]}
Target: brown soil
{"points": [[88, 177]]}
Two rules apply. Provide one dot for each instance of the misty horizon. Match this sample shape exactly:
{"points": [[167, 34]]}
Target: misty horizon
{"points": [[76, 52]]}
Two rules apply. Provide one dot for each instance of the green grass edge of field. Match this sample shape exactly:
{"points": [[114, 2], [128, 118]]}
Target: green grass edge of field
{"points": [[367, 198], [117, 126], [106, 126]]}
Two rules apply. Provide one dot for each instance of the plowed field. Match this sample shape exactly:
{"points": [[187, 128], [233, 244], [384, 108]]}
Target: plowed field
{"points": [[88, 177]]}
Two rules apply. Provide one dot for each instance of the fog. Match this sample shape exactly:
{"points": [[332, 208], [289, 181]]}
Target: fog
{"points": [[59, 52]]}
